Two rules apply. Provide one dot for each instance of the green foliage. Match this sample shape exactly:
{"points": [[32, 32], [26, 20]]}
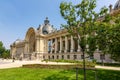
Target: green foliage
{"points": [[102, 37], [82, 21], [2, 49], [46, 60], [59, 66], [94, 61], [110, 64], [4, 53], [108, 36], [92, 43], [114, 40], [88, 63]]}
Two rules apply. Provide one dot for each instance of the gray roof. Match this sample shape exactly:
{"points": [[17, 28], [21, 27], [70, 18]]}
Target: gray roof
{"points": [[47, 27]]}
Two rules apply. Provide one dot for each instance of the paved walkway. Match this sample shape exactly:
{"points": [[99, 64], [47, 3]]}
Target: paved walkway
{"points": [[108, 67], [9, 64]]}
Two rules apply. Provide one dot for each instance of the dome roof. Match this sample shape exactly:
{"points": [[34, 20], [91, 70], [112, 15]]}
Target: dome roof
{"points": [[18, 41], [47, 28], [117, 5]]}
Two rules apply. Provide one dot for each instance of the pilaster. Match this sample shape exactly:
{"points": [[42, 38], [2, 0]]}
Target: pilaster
{"points": [[79, 48], [60, 44], [66, 44], [56, 44], [72, 44]]}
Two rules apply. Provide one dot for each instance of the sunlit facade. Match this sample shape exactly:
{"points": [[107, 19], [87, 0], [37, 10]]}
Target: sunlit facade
{"points": [[46, 42]]}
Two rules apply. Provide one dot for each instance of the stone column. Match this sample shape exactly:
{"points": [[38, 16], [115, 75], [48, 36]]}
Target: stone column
{"points": [[72, 44], [37, 45], [60, 44], [49, 46], [46, 46], [26, 47], [56, 44], [66, 44], [79, 48]]}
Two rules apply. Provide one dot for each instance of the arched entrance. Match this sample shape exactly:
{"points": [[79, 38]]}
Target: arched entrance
{"points": [[30, 46], [32, 43]]}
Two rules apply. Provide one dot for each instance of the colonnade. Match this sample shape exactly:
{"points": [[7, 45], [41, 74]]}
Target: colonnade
{"points": [[63, 44]]}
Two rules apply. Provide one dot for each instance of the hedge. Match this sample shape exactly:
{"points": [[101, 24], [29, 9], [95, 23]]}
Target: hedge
{"points": [[57, 66]]}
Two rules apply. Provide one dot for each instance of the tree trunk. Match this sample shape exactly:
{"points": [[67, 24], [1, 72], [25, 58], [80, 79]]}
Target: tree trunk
{"points": [[102, 61], [84, 65]]}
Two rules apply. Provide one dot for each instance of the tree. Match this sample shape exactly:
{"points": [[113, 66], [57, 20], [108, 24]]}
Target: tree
{"points": [[108, 36], [102, 39], [114, 39], [102, 30], [81, 21], [2, 49], [4, 53]]}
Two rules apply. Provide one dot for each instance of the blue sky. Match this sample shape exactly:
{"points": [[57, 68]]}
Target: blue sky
{"points": [[16, 16]]}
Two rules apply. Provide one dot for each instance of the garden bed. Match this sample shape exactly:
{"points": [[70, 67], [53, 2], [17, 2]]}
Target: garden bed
{"points": [[57, 66]]}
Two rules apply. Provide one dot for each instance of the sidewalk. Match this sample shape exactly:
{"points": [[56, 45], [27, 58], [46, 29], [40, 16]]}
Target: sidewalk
{"points": [[9, 64], [108, 67]]}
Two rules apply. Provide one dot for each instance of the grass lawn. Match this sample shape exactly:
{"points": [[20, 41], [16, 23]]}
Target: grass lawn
{"points": [[55, 74]]}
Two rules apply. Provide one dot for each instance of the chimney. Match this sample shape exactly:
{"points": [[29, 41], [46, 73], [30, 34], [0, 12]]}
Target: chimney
{"points": [[110, 8]]}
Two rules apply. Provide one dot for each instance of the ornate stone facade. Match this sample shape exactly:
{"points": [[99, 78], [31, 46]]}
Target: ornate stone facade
{"points": [[46, 42]]}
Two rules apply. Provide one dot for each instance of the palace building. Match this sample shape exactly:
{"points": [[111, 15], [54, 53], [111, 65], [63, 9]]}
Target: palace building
{"points": [[46, 42]]}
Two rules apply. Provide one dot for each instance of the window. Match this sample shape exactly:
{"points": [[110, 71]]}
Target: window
{"points": [[68, 56], [75, 56], [63, 47], [62, 56], [76, 44], [58, 46], [69, 45], [49, 46], [48, 57], [52, 57], [57, 57], [43, 57], [81, 56]]}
